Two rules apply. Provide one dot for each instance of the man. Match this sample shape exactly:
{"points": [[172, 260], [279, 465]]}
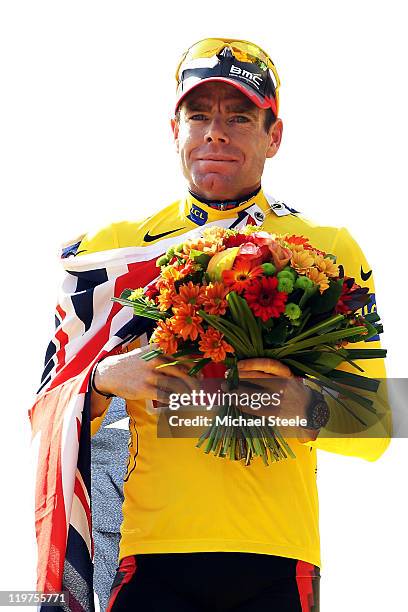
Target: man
{"points": [[199, 533]]}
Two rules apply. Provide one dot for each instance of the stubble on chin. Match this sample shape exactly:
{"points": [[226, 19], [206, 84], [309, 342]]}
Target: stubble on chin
{"points": [[213, 186]]}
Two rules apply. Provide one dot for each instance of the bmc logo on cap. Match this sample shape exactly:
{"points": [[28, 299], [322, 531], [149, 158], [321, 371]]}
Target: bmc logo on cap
{"points": [[245, 74]]}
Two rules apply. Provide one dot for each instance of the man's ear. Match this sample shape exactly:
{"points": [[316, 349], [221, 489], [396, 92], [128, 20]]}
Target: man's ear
{"points": [[275, 137], [175, 126]]}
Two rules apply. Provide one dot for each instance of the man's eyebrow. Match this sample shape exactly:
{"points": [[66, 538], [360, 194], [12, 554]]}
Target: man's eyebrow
{"points": [[234, 107], [241, 107], [197, 105]]}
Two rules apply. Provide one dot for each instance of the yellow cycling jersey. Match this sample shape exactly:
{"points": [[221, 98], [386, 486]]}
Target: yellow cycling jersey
{"points": [[176, 497]]}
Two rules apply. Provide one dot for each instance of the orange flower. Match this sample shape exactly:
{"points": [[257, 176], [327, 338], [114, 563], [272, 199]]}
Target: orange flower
{"points": [[294, 240], [186, 322], [327, 265], [302, 261], [173, 272], [319, 278], [240, 278], [213, 346], [190, 294], [214, 300], [165, 338], [166, 298]]}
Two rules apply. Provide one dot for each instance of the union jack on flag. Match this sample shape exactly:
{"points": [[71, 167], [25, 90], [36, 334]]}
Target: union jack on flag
{"points": [[89, 326]]}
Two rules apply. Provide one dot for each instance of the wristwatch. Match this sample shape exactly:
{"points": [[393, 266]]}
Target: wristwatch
{"points": [[317, 411]]}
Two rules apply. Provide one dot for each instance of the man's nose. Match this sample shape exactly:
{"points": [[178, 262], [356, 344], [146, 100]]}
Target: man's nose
{"points": [[216, 130]]}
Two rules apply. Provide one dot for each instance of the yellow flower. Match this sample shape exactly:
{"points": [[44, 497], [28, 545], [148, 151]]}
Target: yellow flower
{"points": [[200, 244], [249, 229], [297, 248], [171, 274], [211, 234], [327, 265], [136, 294], [319, 278], [302, 260]]}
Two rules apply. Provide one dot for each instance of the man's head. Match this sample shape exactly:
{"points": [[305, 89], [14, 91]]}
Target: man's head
{"points": [[225, 124]]}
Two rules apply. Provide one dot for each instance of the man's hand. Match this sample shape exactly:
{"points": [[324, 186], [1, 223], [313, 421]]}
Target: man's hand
{"points": [[132, 378], [295, 397]]}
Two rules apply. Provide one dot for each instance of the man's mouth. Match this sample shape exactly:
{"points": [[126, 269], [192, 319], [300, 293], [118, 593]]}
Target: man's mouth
{"points": [[217, 159]]}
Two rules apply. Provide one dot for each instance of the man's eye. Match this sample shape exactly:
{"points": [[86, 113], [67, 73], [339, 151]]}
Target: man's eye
{"points": [[198, 117], [240, 119]]}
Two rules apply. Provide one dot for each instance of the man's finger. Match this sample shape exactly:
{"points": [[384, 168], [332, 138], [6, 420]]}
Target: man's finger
{"points": [[265, 364], [253, 374], [175, 371]]}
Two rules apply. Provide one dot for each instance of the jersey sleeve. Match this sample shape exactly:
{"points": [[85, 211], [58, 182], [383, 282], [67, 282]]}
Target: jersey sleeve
{"points": [[96, 240], [378, 427]]}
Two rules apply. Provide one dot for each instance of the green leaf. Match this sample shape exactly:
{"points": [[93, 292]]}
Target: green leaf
{"points": [[329, 338], [343, 353], [272, 353], [372, 331], [232, 333], [323, 361], [372, 317], [304, 319], [277, 335], [363, 401], [339, 401], [141, 309], [363, 353], [354, 380], [318, 328], [200, 257], [151, 354], [326, 301], [307, 295], [233, 308], [233, 376], [199, 366], [125, 293], [247, 320]]}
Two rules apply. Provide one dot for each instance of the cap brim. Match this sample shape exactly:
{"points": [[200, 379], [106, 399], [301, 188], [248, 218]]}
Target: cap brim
{"points": [[257, 99]]}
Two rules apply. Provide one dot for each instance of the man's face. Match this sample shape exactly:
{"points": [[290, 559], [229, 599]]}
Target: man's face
{"points": [[222, 141]]}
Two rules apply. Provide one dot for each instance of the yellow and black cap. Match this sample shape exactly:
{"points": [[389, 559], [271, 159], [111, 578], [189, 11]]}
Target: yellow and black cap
{"points": [[237, 62]]}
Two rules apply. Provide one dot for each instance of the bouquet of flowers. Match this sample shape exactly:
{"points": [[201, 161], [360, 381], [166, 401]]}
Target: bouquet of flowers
{"points": [[235, 294]]}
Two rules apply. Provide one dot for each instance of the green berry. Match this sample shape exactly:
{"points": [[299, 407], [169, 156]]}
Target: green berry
{"points": [[285, 284], [303, 282], [162, 261], [269, 269], [285, 274], [289, 270], [292, 311]]}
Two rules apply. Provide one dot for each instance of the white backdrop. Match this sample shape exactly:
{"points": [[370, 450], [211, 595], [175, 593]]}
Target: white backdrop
{"points": [[86, 94]]}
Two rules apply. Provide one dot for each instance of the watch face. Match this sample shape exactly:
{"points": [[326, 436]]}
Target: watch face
{"points": [[318, 416]]}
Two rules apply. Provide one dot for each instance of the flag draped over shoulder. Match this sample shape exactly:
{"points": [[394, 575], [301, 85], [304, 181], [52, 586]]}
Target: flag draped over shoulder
{"points": [[89, 326]]}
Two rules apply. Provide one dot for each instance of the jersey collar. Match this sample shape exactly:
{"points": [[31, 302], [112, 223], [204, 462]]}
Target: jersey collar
{"points": [[201, 213]]}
